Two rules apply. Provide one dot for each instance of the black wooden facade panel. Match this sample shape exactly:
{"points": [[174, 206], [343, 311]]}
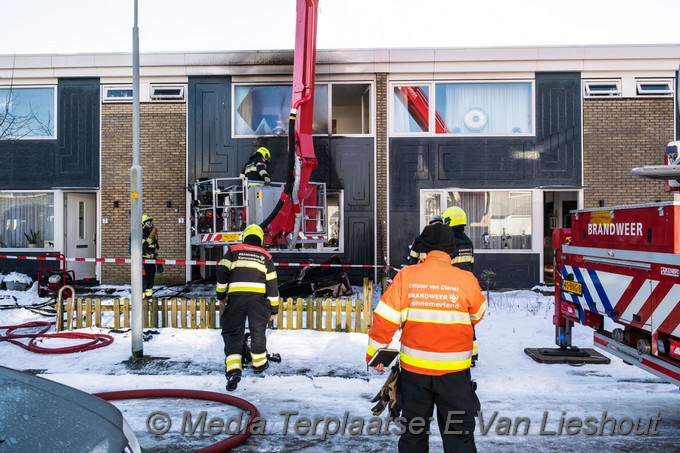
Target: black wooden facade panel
{"points": [[72, 160], [212, 153]]}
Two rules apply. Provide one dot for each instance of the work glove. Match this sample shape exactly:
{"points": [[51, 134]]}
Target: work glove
{"points": [[387, 396], [267, 180], [159, 268]]}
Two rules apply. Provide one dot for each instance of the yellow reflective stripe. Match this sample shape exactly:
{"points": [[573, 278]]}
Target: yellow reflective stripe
{"points": [[438, 316], [247, 287], [374, 345], [274, 301], [477, 316], [474, 347], [387, 312], [463, 259], [271, 275], [259, 359], [250, 265], [222, 287], [233, 362], [225, 262], [441, 361]]}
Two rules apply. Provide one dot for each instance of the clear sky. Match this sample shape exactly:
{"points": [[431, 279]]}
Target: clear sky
{"points": [[74, 26]]}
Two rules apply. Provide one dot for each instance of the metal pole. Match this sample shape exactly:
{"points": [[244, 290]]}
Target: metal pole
{"points": [[136, 205]]}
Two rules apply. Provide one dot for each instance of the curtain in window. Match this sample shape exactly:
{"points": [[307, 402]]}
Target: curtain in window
{"points": [[23, 213], [486, 108]]}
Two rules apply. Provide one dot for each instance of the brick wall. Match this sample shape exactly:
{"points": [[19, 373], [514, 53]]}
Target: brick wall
{"points": [[618, 135], [163, 160], [381, 165]]}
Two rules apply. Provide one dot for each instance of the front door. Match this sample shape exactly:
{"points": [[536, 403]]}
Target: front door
{"points": [[81, 233]]}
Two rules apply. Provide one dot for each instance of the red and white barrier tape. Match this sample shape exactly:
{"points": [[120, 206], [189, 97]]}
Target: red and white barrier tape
{"points": [[169, 262]]}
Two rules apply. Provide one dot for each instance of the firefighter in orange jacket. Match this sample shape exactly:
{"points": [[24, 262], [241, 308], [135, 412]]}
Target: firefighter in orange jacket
{"points": [[435, 305], [246, 279]]}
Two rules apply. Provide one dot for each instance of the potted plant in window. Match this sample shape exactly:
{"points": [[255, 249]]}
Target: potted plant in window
{"points": [[32, 237]]}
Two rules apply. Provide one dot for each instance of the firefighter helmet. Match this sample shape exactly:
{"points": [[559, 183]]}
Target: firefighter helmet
{"points": [[264, 152], [253, 229], [146, 218], [454, 216]]}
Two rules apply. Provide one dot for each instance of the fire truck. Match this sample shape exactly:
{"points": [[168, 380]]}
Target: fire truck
{"points": [[618, 268], [289, 212]]}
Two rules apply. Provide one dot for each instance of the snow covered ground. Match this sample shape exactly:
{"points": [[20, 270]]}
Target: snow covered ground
{"points": [[526, 406]]}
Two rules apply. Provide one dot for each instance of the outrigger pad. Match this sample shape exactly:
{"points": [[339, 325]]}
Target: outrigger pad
{"points": [[557, 355]]}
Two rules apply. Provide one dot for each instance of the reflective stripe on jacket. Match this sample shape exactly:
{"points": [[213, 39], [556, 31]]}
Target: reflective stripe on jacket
{"points": [[255, 169], [248, 269], [435, 305], [466, 253]]}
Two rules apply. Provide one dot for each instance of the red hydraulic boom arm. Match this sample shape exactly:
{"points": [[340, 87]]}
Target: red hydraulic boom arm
{"points": [[287, 216]]}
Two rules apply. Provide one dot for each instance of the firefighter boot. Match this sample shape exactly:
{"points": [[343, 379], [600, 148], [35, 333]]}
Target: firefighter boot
{"points": [[260, 369], [233, 378]]}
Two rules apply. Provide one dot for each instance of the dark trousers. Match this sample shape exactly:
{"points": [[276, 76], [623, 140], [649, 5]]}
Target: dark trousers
{"points": [[452, 395], [148, 276], [233, 320]]}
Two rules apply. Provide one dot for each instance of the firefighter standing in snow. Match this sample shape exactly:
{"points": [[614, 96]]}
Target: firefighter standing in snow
{"points": [[435, 305], [456, 218], [247, 280], [256, 170], [149, 251]]}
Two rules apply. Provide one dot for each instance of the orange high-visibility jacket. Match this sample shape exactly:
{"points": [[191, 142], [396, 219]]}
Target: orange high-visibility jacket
{"points": [[436, 305]]}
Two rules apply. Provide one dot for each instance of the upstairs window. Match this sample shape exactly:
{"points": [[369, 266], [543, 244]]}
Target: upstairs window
{"points": [[464, 108], [28, 112], [113, 93], [602, 88], [654, 87]]}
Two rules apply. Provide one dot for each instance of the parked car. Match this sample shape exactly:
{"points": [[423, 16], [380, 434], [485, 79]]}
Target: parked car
{"points": [[40, 415]]}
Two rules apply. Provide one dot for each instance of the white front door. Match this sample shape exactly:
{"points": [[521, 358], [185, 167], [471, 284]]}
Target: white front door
{"points": [[81, 233]]}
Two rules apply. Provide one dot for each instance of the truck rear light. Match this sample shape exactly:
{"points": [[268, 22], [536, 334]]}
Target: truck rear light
{"points": [[674, 348]]}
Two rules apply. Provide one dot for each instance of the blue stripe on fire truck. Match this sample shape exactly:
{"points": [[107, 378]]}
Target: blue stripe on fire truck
{"points": [[604, 299], [592, 306]]}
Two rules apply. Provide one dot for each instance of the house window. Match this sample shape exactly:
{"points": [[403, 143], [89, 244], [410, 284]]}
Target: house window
{"points": [[28, 112], [411, 108], [167, 93], [601, 88], [496, 220], [117, 93], [484, 108], [264, 109], [26, 218], [334, 219], [351, 107], [654, 87]]}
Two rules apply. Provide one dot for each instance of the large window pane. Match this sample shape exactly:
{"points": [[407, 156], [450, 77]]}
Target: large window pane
{"points": [[351, 108], [23, 215], [411, 108], [264, 109], [27, 112], [485, 108], [497, 220]]}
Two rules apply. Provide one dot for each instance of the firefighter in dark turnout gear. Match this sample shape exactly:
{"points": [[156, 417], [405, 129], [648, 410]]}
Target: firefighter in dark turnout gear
{"points": [[247, 280], [150, 252], [416, 252], [256, 170], [456, 218]]}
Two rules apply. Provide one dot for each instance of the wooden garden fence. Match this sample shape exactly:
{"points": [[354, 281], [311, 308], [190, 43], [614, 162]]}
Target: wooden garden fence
{"points": [[313, 313]]}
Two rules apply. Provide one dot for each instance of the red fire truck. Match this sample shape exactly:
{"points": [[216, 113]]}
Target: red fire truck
{"points": [[622, 264]]}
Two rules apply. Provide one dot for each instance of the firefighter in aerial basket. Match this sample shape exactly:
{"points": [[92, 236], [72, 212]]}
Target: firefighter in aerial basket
{"points": [[435, 304], [256, 170], [247, 285]]}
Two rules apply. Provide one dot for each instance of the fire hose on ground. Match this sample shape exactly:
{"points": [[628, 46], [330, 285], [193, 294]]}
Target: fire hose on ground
{"points": [[218, 447]]}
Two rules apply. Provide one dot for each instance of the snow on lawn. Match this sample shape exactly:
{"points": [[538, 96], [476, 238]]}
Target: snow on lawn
{"points": [[525, 405]]}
